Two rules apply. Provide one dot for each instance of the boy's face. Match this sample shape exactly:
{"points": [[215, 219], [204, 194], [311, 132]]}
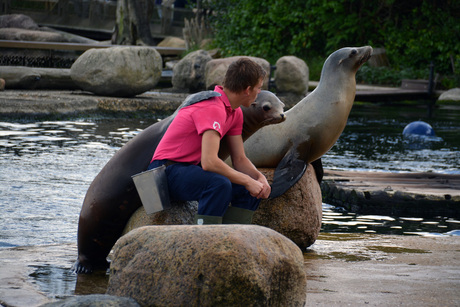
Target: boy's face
{"points": [[253, 92]]}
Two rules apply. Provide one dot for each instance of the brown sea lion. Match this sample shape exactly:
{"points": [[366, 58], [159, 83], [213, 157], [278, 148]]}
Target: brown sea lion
{"points": [[112, 197], [313, 125]]}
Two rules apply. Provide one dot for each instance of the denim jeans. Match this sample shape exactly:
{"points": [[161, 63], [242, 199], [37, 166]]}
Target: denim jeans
{"points": [[213, 192]]}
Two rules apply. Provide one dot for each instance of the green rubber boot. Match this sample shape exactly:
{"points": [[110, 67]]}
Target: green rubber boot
{"points": [[235, 215], [207, 219]]}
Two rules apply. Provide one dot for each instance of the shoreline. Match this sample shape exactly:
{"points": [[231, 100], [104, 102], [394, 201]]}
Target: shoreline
{"points": [[342, 269]]}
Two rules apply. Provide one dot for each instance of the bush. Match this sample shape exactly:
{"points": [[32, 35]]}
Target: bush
{"points": [[413, 32]]}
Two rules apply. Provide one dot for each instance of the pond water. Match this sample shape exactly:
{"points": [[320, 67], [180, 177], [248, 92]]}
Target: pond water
{"points": [[47, 167]]}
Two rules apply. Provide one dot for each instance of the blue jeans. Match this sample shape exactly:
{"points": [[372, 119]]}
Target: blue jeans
{"points": [[213, 192]]}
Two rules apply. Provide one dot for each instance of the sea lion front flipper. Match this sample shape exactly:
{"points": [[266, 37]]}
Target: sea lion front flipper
{"points": [[287, 173]]}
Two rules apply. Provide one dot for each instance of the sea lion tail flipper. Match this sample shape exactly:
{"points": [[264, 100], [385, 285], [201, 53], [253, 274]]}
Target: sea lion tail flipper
{"points": [[287, 173]]}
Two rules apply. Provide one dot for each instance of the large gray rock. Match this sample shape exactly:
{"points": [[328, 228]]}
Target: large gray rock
{"points": [[216, 69], [189, 72], [452, 94], [118, 71], [297, 214], [94, 300], [291, 75], [208, 265]]}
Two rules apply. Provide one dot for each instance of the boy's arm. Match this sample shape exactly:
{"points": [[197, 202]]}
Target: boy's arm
{"points": [[210, 162]]}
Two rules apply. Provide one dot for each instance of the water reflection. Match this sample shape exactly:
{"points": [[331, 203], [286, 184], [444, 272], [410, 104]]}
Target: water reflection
{"points": [[47, 167], [337, 219]]}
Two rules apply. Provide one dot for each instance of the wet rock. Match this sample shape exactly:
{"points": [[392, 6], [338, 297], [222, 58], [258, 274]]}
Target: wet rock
{"points": [[216, 69], [189, 73], [94, 300], [118, 71], [291, 75], [297, 214], [210, 265], [452, 94]]}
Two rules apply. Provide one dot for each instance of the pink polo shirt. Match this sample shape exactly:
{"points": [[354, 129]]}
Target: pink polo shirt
{"points": [[182, 140]]}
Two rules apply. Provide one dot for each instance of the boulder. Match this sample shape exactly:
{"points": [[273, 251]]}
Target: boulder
{"points": [[94, 300], [172, 42], [189, 73], [297, 214], [291, 75], [452, 95], [208, 265], [118, 71], [17, 21], [216, 69]]}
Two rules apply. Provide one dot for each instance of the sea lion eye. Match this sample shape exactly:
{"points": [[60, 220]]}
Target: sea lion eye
{"points": [[353, 52], [266, 108]]}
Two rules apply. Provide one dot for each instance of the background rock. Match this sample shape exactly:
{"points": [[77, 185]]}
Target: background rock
{"points": [[452, 94], [189, 72], [118, 71], [211, 265], [172, 42], [216, 69], [291, 75], [297, 214], [17, 21]]}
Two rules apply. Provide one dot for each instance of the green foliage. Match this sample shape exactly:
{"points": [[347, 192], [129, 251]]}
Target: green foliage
{"points": [[413, 32], [389, 76]]}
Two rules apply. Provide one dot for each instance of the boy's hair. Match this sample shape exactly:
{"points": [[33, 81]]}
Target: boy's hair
{"points": [[243, 73]]}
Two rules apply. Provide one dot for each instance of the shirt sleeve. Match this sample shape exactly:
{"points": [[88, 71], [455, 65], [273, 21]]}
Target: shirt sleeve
{"points": [[210, 117]]}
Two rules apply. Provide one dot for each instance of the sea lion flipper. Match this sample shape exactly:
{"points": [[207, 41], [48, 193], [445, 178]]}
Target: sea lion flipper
{"points": [[287, 173], [197, 97]]}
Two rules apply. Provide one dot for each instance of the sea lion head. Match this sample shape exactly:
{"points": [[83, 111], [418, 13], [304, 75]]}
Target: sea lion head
{"points": [[267, 109], [349, 58]]}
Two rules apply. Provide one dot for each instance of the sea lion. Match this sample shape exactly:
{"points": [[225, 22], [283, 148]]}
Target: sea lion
{"points": [[313, 125], [112, 197]]}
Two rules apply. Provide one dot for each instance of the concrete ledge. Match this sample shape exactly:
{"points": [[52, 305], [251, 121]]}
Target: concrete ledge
{"points": [[17, 103], [393, 194]]}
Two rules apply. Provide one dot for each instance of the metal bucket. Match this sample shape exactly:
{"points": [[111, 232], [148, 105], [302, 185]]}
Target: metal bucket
{"points": [[152, 186]]}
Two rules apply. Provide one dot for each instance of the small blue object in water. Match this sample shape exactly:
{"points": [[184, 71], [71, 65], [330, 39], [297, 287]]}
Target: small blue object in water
{"points": [[419, 128]]}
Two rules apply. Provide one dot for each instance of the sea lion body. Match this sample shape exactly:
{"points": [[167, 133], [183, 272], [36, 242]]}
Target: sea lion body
{"points": [[313, 125], [112, 197]]}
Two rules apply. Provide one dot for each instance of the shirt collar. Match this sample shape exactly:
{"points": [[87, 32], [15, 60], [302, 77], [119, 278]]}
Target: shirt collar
{"points": [[223, 98]]}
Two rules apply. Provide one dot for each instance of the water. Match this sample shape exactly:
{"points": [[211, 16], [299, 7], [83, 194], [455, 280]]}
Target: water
{"points": [[47, 167]]}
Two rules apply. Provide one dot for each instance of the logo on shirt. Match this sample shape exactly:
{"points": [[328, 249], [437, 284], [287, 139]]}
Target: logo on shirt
{"points": [[216, 126]]}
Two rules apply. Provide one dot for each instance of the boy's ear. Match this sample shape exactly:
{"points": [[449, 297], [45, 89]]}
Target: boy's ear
{"points": [[247, 91]]}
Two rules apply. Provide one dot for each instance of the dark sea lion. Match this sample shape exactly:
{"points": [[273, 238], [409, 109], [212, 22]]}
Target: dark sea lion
{"points": [[112, 197], [313, 125]]}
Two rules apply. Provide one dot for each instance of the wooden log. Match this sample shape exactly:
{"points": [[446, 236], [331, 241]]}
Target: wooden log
{"points": [[21, 77]]}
